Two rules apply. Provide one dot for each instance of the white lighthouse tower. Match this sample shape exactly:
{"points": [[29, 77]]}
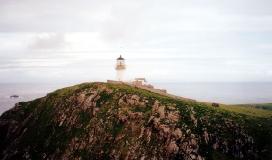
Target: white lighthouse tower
{"points": [[120, 68]]}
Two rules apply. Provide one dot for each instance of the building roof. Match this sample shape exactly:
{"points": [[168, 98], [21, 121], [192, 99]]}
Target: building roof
{"points": [[120, 58], [140, 79]]}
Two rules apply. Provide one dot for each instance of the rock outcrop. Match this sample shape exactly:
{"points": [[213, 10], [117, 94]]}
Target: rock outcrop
{"points": [[106, 121]]}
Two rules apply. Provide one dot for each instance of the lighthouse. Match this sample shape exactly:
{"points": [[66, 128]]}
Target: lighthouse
{"points": [[120, 68]]}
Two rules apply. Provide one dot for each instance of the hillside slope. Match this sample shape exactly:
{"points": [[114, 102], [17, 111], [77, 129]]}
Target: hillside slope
{"points": [[115, 121], [265, 106]]}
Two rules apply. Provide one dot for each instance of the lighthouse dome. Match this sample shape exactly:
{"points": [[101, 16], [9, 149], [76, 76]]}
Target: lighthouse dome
{"points": [[120, 58]]}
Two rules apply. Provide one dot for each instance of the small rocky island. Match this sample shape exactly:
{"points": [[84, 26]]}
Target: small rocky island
{"points": [[14, 96], [119, 121]]}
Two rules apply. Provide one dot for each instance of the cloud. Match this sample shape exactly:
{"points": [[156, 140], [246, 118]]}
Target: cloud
{"points": [[192, 37], [124, 18], [265, 46], [48, 41]]}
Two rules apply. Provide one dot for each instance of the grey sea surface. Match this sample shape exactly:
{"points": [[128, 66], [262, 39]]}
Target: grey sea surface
{"points": [[222, 92], [25, 91]]}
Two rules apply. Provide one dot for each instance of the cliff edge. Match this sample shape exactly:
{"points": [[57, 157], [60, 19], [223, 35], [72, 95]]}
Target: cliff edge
{"points": [[118, 121]]}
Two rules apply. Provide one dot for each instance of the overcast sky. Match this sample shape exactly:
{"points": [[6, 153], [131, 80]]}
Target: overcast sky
{"points": [[164, 41]]}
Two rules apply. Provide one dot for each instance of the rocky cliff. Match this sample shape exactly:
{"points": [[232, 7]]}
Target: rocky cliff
{"points": [[115, 121]]}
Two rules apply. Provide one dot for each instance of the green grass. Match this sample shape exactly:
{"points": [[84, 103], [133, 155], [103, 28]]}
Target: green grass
{"points": [[84, 117], [258, 122], [265, 106], [244, 109]]}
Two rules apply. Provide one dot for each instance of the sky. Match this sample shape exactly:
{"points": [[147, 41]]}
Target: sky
{"points": [[53, 41]]}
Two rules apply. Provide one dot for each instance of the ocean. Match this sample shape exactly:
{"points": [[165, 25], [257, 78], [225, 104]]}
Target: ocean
{"points": [[229, 93], [26, 92]]}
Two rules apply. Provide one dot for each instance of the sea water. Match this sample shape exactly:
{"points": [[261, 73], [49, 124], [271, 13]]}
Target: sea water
{"points": [[223, 92]]}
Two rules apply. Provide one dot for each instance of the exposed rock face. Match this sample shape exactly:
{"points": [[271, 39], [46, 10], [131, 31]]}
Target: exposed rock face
{"points": [[102, 121]]}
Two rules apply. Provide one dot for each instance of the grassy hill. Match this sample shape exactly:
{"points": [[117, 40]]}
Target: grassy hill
{"points": [[245, 109], [265, 106], [118, 121]]}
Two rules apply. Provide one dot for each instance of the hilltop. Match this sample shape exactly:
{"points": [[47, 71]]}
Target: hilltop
{"points": [[118, 121]]}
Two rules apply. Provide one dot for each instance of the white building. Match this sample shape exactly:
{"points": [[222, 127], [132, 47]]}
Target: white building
{"points": [[120, 68]]}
